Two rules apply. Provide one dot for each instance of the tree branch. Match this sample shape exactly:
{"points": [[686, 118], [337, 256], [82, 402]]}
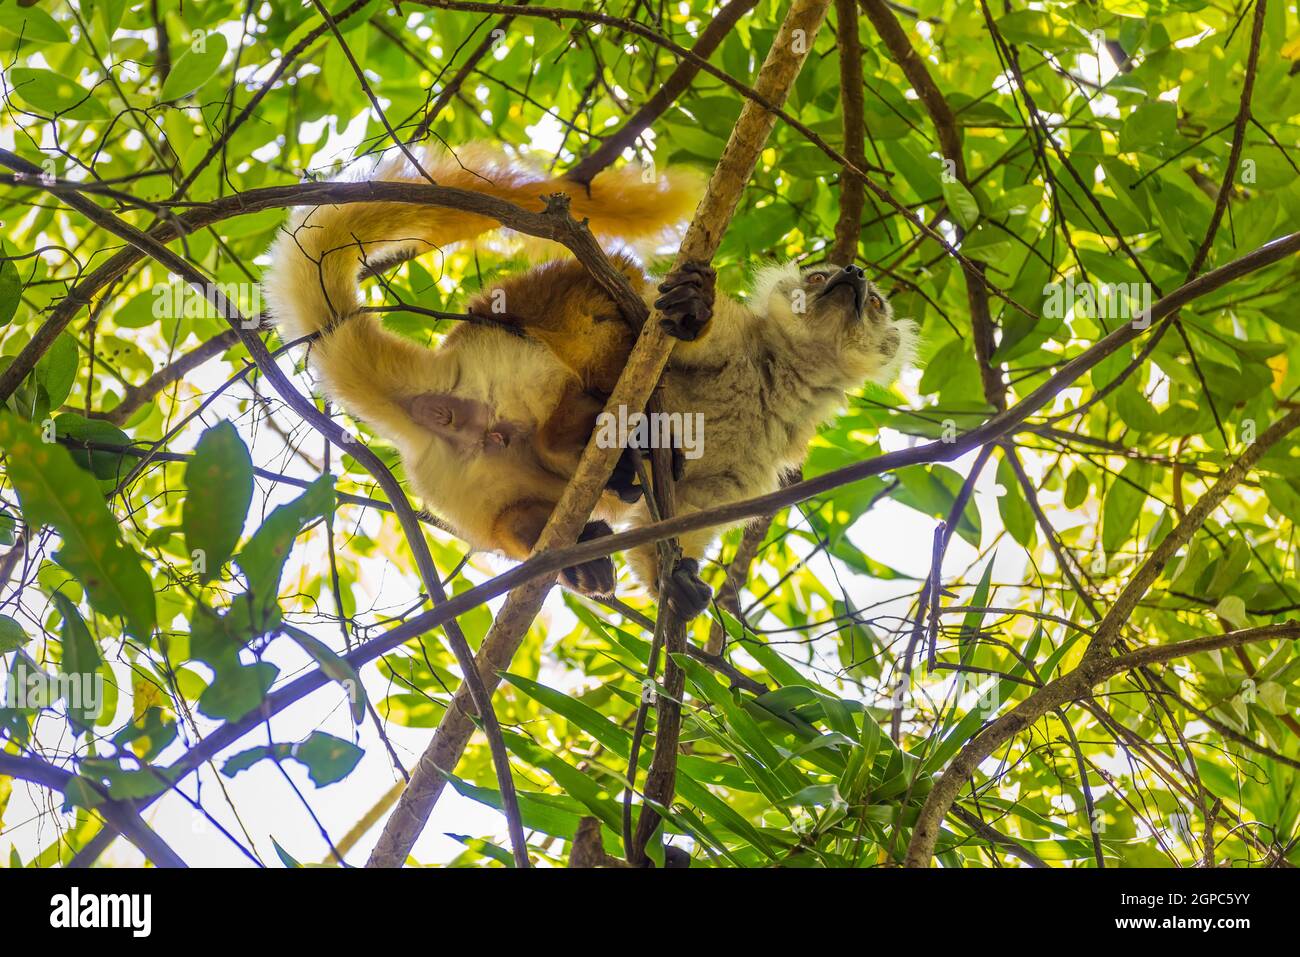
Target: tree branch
{"points": [[1096, 664], [948, 133], [848, 226], [121, 815], [677, 83], [371, 462], [644, 366]]}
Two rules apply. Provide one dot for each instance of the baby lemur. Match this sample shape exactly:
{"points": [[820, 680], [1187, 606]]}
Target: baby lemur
{"points": [[491, 423]]}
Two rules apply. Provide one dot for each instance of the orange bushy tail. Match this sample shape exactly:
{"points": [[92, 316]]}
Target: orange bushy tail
{"points": [[317, 259]]}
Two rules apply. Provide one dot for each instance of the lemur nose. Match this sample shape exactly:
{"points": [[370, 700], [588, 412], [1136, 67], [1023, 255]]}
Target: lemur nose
{"points": [[854, 270]]}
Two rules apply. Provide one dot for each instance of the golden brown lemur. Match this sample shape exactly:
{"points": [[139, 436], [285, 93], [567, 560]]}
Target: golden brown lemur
{"points": [[491, 423]]}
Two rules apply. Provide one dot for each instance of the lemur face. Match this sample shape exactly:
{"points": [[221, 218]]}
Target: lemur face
{"points": [[839, 308]]}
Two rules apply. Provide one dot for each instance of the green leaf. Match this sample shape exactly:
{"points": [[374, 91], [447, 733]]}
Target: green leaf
{"points": [[540, 812], [1123, 506], [1233, 610], [11, 288], [1228, 572], [963, 206], [287, 859], [237, 690], [973, 621], [338, 669], [582, 716], [194, 67], [263, 556], [1076, 489], [932, 489], [1273, 697], [219, 482], [55, 492], [328, 759], [1016, 514], [110, 14], [12, 636], [57, 369], [579, 784], [31, 23], [81, 793], [80, 661], [54, 94]]}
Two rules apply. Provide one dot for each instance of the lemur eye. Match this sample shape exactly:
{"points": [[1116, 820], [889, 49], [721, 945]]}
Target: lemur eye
{"points": [[876, 302], [816, 279]]}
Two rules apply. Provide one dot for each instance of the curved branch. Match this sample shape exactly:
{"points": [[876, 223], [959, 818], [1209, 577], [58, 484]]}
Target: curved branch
{"points": [[121, 815], [612, 148], [371, 462], [135, 396], [1096, 665], [1238, 140], [552, 222], [641, 373]]}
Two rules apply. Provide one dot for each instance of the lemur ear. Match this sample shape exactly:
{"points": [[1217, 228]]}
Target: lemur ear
{"points": [[767, 278]]}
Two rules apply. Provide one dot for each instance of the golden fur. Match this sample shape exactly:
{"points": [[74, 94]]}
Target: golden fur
{"points": [[490, 424]]}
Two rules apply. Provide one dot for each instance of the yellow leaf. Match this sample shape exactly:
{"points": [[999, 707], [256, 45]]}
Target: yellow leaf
{"points": [[144, 695], [1279, 366]]}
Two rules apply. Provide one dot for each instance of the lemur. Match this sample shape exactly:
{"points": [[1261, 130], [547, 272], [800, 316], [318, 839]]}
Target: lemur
{"points": [[490, 424]]}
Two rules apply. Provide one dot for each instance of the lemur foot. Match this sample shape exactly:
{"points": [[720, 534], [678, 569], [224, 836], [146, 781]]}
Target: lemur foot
{"points": [[688, 595], [676, 857], [623, 480], [687, 300], [595, 577]]}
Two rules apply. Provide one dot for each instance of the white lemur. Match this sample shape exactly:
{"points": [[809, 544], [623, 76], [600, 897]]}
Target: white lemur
{"points": [[491, 423]]}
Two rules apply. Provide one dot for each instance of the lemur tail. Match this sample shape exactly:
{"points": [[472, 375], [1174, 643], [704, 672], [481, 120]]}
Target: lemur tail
{"points": [[318, 256]]}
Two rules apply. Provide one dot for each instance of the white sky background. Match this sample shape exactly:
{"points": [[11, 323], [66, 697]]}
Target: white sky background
{"points": [[890, 533]]}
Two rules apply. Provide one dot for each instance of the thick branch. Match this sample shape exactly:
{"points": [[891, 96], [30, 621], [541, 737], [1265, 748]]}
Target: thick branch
{"points": [[1109, 629], [852, 194], [136, 396], [942, 118], [913, 66], [653, 108], [1096, 664], [632, 391], [121, 815]]}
